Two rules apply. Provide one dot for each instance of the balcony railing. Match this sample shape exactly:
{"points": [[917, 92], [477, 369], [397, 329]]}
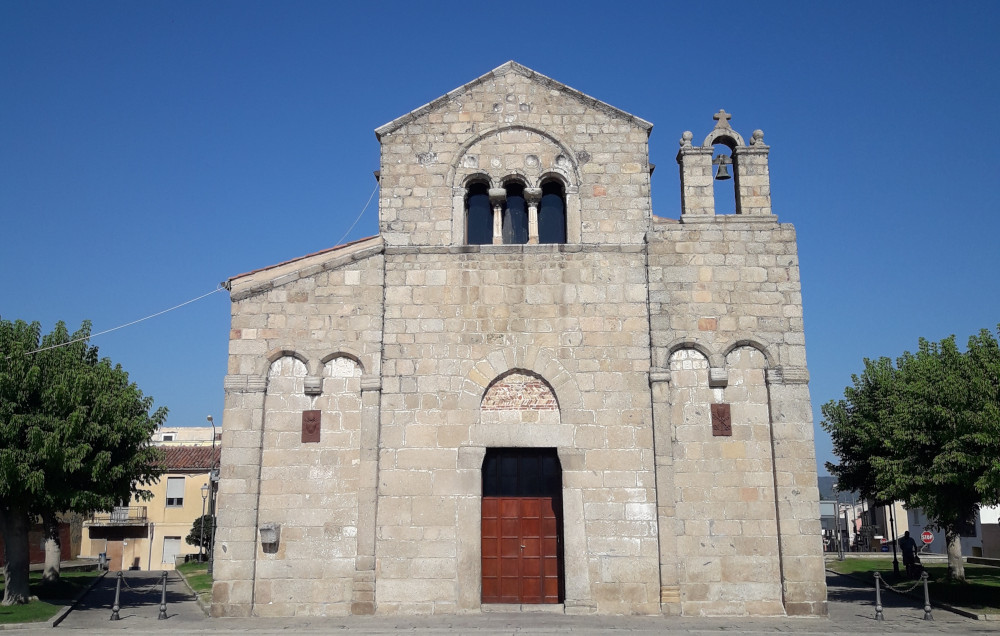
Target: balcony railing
{"points": [[120, 516]]}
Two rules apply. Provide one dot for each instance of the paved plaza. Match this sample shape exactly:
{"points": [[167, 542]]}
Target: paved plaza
{"points": [[852, 611]]}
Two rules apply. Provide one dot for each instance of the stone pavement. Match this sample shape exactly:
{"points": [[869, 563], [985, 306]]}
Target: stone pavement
{"points": [[851, 612]]}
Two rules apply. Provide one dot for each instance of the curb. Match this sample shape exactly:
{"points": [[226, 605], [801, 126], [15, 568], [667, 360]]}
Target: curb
{"points": [[197, 597], [936, 604], [64, 612], [59, 615]]}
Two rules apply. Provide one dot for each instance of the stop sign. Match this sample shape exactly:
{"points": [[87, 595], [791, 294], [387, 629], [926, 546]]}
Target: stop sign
{"points": [[927, 536]]}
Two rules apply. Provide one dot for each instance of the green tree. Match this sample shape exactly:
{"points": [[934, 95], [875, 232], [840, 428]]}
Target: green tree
{"points": [[199, 536], [74, 436], [924, 430]]}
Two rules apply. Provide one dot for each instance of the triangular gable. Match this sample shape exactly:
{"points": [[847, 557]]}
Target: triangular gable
{"points": [[499, 71], [261, 280]]}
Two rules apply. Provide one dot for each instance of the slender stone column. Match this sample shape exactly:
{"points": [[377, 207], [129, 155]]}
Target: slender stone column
{"points": [[239, 486], [363, 597], [533, 196], [796, 491], [670, 598], [498, 196]]}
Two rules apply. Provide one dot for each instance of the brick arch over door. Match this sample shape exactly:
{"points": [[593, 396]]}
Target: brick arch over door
{"points": [[521, 391], [487, 429]]}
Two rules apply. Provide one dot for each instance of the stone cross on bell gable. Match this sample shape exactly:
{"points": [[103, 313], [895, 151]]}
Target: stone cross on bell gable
{"points": [[722, 118]]}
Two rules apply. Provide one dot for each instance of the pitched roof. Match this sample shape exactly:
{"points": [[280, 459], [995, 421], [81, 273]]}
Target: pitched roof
{"points": [[266, 278], [335, 248], [190, 457], [503, 69]]}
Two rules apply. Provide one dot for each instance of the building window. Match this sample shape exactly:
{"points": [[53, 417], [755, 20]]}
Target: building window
{"points": [[168, 437], [515, 215], [552, 214], [479, 215], [171, 548], [175, 492]]}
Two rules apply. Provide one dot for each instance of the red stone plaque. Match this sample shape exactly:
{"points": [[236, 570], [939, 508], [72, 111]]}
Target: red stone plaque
{"points": [[722, 424], [310, 426]]}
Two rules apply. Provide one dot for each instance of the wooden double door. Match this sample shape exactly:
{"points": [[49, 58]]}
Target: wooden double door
{"points": [[522, 527]]}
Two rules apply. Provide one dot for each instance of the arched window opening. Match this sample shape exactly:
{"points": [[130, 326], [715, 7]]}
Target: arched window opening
{"points": [[515, 216], [552, 213], [723, 179], [479, 215]]}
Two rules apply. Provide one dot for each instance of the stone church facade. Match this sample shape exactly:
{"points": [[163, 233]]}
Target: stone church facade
{"points": [[527, 389]]}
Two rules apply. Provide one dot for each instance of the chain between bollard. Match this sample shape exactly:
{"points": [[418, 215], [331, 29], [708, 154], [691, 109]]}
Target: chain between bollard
{"points": [[163, 599], [117, 606], [899, 590]]}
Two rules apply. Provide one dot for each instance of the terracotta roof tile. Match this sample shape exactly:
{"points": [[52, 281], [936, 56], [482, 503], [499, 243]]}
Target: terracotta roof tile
{"points": [[190, 457]]}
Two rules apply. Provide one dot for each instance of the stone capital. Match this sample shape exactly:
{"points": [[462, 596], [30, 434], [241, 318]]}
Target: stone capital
{"points": [[718, 377], [371, 383], [533, 195], [238, 383], [688, 151], [313, 385], [788, 375], [759, 150], [498, 196], [659, 375]]}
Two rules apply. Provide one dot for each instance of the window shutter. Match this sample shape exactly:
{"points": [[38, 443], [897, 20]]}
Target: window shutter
{"points": [[171, 548], [175, 488]]}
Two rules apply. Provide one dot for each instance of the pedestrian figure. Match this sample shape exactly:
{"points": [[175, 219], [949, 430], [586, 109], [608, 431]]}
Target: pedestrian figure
{"points": [[909, 549]]}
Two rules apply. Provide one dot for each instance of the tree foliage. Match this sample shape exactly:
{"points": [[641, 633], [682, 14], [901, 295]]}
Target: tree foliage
{"points": [[74, 432], [197, 535], [924, 430]]}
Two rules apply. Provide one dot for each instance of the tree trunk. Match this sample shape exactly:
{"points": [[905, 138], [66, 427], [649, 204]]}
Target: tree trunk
{"points": [[14, 524], [956, 569], [53, 548]]}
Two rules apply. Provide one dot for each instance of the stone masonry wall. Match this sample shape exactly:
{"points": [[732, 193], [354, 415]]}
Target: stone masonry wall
{"points": [[720, 284], [456, 321], [317, 320], [512, 124], [310, 489], [727, 534]]}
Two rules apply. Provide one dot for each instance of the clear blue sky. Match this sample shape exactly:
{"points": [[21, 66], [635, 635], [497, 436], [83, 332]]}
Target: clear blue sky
{"points": [[148, 149]]}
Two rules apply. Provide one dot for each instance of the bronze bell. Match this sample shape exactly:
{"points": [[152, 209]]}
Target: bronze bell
{"points": [[722, 173]]}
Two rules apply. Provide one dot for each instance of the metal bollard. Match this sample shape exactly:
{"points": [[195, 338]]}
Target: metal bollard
{"points": [[879, 616], [116, 606], [927, 598], [163, 599]]}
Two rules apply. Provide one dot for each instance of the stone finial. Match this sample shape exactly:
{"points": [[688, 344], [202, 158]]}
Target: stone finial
{"points": [[685, 140], [722, 119], [758, 137]]}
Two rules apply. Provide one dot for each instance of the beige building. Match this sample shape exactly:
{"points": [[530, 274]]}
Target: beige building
{"points": [[187, 436], [528, 388], [148, 535]]}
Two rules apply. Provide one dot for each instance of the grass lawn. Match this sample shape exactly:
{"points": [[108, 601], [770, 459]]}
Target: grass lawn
{"points": [[197, 576], [51, 597], [981, 592]]}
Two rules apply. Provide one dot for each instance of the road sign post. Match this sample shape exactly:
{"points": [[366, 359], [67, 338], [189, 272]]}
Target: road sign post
{"points": [[927, 537]]}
